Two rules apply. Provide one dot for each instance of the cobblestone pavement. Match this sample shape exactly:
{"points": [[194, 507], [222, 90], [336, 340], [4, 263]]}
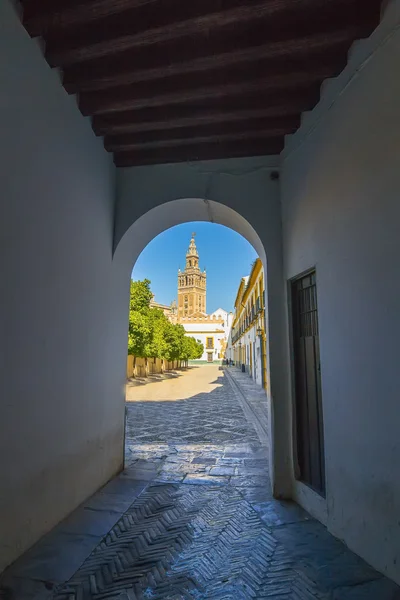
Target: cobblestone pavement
{"points": [[193, 408], [195, 428], [192, 516]]}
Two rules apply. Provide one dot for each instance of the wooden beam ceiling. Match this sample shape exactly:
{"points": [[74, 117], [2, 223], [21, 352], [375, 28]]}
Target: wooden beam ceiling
{"points": [[178, 59], [274, 127], [173, 80]]}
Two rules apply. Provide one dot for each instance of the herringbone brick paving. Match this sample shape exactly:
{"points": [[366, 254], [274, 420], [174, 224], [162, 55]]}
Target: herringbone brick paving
{"points": [[205, 526], [190, 541]]}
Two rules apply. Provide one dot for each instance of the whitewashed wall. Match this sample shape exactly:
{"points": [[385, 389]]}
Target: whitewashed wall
{"points": [[341, 213], [202, 337], [61, 360]]}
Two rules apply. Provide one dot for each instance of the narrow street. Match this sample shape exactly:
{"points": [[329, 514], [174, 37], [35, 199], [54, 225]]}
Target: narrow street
{"points": [[192, 515]]}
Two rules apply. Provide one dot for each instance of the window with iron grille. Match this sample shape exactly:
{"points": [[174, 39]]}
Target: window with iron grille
{"points": [[308, 395], [210, 343]]}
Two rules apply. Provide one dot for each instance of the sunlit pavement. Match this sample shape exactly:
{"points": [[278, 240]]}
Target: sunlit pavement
{"points": [[197, 432], [191, 516]]}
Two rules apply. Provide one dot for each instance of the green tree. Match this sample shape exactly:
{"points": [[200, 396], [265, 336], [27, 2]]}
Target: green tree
{"points": [[152, 335], [192, 349], [198, 349], [139, 333], [174, 336], [140, 327], [140, 295], [187, 349], [156, 345]]}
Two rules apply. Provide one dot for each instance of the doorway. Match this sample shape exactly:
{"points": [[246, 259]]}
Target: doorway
{"points": [[307, 371]]}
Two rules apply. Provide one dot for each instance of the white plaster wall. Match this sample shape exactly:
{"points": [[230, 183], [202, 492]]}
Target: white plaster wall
{"points": [[212, 327], [258, 373], [341, 213], [256, 368], [202, 337], [220, 313], [228, 318], [61, 358], [229, 348]]}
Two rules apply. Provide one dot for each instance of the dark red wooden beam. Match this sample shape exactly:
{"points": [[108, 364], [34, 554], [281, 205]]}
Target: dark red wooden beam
{"points": [[239, 137], [180, 80], [136, 96], [44, 16], [197, 152], [158, 24], [178, 58], [147, 25], [252, 128], [213, 111], [41, 16]]}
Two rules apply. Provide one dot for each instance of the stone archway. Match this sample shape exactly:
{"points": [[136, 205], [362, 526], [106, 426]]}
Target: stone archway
{"points": [[168, 214]]}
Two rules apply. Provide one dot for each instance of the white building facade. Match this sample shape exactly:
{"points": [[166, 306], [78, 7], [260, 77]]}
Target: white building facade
{"points": [[211, 332], [246, 345]]}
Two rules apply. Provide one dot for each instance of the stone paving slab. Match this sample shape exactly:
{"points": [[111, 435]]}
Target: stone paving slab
{"points": [[370, 590], [181, 412], [208, 542], [192, 516], [253, 400], [60, 553]]}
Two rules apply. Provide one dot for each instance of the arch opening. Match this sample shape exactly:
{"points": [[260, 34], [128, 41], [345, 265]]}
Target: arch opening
{"points": [[185, 210]]}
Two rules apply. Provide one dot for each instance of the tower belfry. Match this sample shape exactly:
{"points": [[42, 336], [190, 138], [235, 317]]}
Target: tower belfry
{"points": [[192, 286]]}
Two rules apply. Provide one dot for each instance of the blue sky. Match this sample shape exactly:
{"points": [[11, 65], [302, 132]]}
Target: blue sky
{"points": [[225, 255]]}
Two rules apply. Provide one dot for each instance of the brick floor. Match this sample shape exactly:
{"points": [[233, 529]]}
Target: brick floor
{"points": [[192, 516]]}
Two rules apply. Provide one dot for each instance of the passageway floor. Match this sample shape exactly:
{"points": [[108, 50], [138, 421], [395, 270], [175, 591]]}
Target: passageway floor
{"points": [[192, 515]]}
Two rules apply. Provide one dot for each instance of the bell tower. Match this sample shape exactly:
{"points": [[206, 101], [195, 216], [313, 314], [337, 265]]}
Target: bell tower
{"points": [[192, 286]]}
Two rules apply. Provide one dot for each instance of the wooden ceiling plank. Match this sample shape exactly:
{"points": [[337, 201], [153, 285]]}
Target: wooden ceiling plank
{"points": [[213, 111], [277, 133], [197, 152], [145, 26], [253, 128], [174, 80], [160, 63], [42, 16], [127, 97]]}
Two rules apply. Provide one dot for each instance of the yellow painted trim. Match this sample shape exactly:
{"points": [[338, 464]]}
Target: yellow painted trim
{"points": [[252, 279], [238, 292], [253, 286]]}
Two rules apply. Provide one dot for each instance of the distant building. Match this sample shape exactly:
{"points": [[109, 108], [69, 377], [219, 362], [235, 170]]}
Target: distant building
{"points": [[247, 340], [212, 330], [192, 285], [170, 311]]}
